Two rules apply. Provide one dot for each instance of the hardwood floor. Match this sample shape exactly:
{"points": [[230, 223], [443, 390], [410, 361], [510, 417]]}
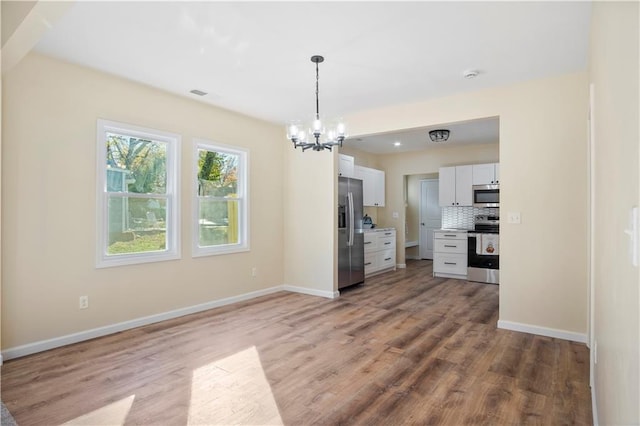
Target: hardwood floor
{"points": [[404, 348]]}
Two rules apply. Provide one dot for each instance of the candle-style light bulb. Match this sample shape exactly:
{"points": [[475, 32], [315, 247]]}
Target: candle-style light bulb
{"points": [[292, 131]]}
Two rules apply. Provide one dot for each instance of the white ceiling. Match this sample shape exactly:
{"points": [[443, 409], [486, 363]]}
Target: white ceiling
{"points": [[254, 57]]}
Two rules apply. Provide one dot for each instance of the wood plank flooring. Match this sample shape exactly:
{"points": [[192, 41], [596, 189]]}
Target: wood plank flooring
{"points": [[404, 348]]}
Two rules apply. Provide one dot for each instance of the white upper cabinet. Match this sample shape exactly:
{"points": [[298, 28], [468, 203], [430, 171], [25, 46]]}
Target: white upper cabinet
{"points": [[486, 174], [455, 186], [372, 185], [447, 189], [345, 165]]}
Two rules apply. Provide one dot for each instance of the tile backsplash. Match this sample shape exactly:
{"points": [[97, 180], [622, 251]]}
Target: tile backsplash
{"points": [[463, 217]]}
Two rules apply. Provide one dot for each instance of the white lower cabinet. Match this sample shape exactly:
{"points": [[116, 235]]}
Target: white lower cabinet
{"points": [[450, 254], [379, 250]]}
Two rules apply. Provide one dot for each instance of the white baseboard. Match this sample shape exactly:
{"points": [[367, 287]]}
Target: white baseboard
{"points": [[68, 339], [311, 291], [543, 331], [401, 266]]}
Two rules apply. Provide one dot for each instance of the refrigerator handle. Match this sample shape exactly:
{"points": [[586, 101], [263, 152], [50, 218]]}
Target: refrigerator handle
{"points": [[351, 219]]}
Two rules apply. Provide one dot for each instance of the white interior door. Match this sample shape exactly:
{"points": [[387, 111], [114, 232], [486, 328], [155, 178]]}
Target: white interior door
{"points": [[430, 216]]}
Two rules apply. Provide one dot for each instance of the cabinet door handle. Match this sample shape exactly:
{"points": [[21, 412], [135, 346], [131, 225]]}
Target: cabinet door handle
{"points": [[367, 242], [388, 258], [449, 235], [448, 245], [387, 233], [450, 263], [367, 264], [387, 243]]}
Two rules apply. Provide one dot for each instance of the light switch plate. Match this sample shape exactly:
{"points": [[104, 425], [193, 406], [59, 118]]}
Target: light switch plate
{"points": [[513, 217], [396, 215]]}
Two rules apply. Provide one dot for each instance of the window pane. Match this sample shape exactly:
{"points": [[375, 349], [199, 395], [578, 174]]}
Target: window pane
{"points": [[136, 165], [218, 222], [217, 173], [137, 225]]}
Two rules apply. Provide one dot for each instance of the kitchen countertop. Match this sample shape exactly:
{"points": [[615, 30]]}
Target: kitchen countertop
{"points": [[379, 229]]}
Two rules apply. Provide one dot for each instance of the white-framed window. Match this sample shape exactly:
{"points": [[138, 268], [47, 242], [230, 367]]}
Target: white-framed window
{"points": [[220, 222], [137, 195]]}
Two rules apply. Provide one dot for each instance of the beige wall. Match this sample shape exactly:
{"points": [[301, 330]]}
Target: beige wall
{"points": [[362, 158], [543, 175], [13, 13], [50, 110], [310, 194], [614, 72], [23, 23]]}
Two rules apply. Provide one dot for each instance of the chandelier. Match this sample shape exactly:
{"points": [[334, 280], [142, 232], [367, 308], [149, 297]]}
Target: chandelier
{"points": [[316, 136]]}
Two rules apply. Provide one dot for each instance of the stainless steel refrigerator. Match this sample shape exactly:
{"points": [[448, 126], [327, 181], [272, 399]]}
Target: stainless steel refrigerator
{"points": [[350, 234]]}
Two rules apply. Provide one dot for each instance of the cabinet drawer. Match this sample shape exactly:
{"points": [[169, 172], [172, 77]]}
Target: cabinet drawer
{"points": [[450, 264], [450, 246], [386, 258], [370, 241], [370, 262], [452, 235], [386, 242]]}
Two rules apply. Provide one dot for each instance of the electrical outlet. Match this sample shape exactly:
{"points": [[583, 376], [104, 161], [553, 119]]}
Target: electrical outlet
{"points": [[83, 303], [254, 271]]}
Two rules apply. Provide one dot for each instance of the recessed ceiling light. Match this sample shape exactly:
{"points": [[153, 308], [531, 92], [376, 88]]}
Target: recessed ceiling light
{"points": [[198, 92], [397, 144]]}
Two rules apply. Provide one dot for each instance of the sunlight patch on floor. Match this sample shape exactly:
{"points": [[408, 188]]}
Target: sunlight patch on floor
{"points": [[112, 414], [232, 391]]}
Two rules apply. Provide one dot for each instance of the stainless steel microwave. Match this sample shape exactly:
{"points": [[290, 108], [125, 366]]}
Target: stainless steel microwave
{"points": [[486, 196]]}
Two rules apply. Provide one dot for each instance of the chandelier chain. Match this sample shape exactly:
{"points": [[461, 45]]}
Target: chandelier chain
{"points": [[317, 91]]}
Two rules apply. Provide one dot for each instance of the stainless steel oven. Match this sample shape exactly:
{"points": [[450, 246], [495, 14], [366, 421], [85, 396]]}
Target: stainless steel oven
{"points": [[486, 195], [483, 258]]}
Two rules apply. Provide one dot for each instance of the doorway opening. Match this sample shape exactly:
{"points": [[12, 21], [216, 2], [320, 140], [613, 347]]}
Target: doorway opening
{"points": [[417, 212]]}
